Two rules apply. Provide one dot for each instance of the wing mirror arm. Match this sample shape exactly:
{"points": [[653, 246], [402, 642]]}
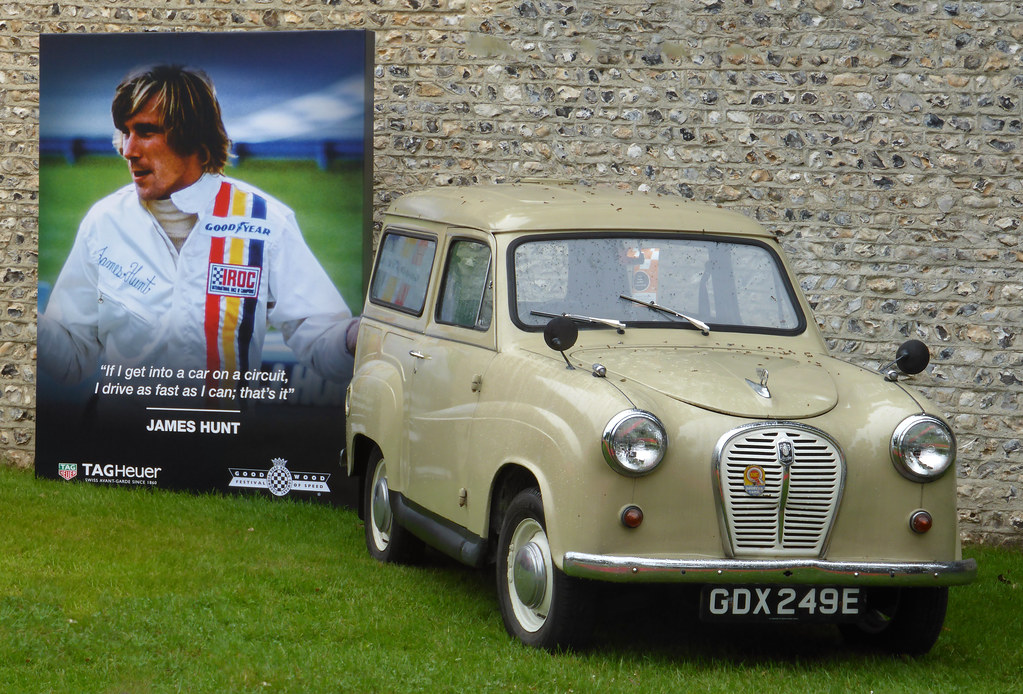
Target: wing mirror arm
{"points": [[912, 357]]}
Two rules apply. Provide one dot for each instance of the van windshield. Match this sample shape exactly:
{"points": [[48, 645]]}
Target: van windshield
{"points": [[728, 284]]}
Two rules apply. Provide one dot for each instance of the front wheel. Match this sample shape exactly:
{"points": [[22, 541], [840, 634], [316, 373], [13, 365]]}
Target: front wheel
{"points": [[540, 605], [386, 539], [899, 620]]}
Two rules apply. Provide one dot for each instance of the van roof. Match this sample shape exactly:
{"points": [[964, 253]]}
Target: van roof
{"points": [[511, 207]]}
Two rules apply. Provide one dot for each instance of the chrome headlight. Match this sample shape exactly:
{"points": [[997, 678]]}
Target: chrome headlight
{"points": [[634, 442], [923, 448]]}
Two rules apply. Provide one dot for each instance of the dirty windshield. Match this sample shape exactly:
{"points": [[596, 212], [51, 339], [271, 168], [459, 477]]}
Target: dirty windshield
{"points": [[726, 284]]}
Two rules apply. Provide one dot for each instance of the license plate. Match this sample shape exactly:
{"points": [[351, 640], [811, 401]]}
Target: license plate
{"points": [[774, 603]]}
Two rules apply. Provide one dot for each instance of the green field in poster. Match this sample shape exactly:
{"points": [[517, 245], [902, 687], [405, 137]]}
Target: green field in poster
{"points": [[327, 203]]}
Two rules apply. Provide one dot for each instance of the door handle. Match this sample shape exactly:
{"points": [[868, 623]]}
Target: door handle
{"points": [[417, 354]]}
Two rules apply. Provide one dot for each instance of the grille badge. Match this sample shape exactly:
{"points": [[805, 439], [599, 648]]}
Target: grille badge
{"points": [[754, 480], [785, 452]]}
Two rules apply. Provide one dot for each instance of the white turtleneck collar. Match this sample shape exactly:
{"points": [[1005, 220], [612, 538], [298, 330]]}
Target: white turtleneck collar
{"points": [[175, 223]]}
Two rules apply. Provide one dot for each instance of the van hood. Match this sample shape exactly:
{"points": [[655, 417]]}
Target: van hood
{"points": [[725, 380]]}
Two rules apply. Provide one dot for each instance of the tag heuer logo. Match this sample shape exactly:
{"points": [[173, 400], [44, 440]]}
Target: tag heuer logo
{"points": [[67, 470]]}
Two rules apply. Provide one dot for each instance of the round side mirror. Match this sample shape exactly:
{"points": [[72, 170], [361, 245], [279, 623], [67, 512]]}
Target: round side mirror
{"points": [[912, 357], [560, 334]]}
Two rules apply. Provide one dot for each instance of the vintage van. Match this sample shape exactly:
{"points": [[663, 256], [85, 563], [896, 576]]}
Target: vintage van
{"points": [[582, 385]]}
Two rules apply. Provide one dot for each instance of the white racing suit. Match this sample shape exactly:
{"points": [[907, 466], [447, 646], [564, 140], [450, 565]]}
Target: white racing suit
{"points": [[126, 296]]}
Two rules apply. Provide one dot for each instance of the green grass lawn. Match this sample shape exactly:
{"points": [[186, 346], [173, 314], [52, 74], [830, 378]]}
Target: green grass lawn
{"points": [[117, 590], [328, 205]]}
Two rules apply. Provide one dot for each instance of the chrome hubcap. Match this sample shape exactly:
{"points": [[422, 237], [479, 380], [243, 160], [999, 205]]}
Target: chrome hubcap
{"points": [[381, 506], [530, 575]]}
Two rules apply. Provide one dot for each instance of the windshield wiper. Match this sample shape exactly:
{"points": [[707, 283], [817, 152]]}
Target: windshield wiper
{"points": [[608, 322], [696, 322]]}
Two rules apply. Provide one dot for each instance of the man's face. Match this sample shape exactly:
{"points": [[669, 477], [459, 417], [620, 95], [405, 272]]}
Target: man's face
{"points": [[156, 168]]}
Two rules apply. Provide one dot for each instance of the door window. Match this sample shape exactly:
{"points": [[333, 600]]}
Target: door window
{"points": [[467, 295]]}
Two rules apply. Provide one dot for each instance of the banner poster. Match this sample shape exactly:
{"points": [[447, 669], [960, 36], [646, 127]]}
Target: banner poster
{"points": [[204, 226]]}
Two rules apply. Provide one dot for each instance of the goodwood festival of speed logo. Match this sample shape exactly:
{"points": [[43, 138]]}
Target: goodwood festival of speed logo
{"points": [[279, 480]]}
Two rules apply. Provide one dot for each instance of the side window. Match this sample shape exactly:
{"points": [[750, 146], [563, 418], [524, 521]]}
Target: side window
{"points": [[402, 274], [467, 297]]}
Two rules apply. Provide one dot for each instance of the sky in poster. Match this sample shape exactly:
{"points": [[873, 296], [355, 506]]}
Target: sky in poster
{"points": [[272, 85]]}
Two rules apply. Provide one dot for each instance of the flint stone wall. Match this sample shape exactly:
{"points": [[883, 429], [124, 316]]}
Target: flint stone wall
{"points": [[880, 140]]}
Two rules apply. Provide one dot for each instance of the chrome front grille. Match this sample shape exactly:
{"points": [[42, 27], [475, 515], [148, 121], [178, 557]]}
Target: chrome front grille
{"points": [[780, 485]]}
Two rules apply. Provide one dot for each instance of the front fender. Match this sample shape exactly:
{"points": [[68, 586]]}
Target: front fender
{"points": [[537, 416]]}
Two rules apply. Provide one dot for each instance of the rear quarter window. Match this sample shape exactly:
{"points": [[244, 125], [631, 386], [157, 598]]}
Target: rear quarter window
{"points": [[402, 274]]}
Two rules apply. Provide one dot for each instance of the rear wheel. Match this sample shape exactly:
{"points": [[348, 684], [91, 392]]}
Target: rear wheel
{"points": [[899, 620], [386, 539], [540, 605]]}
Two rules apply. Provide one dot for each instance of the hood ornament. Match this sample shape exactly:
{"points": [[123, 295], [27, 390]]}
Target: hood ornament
{"points": [[761, 388]]}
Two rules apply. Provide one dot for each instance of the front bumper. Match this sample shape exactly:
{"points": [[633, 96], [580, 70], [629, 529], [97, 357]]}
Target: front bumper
{"points": [[621, 569]]}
